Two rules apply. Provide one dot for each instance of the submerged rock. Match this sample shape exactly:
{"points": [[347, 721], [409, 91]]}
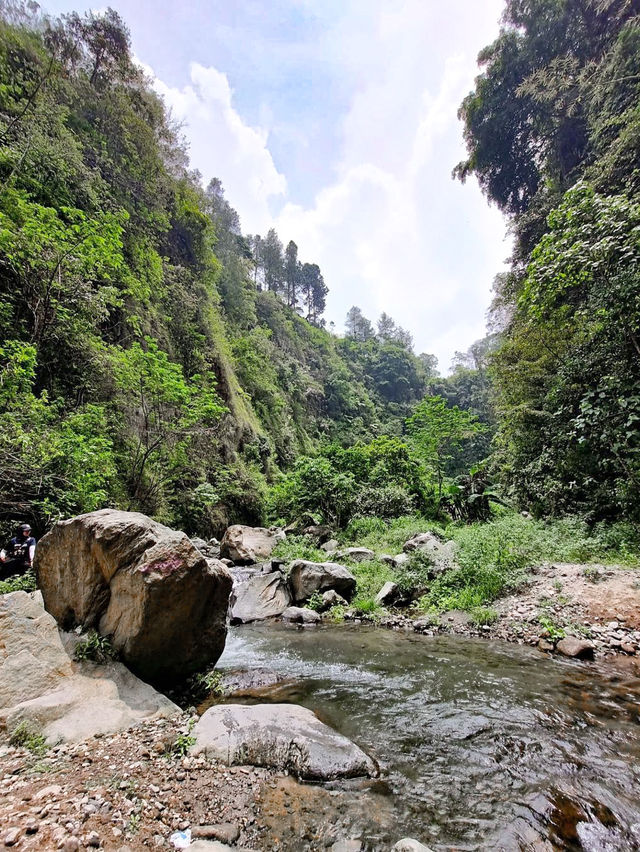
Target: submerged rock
{"points": [[281, 736], [41, 686], [247, 545], [262, 596], [305, 578], [145, 586]]}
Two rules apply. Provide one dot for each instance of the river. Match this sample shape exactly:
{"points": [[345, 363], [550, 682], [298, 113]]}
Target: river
{"points": [[483, 745]]}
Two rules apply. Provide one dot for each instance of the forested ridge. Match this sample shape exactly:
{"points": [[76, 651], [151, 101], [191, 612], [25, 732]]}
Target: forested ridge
{"points": [[154, 357]]}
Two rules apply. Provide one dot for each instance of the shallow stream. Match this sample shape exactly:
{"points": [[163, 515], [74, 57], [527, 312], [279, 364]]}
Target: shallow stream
{"points": [[483, 745]]}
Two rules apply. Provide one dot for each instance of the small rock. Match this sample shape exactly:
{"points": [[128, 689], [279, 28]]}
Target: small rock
{"points": [[350, 845], [299, 615], [48, 792], [578, 648], [545, 645], [330, 546], [93, 839], [408, 844], [11, 837], [71, 844], [226, 832], [628, 648]]}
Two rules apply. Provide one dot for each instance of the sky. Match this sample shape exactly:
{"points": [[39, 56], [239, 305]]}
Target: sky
{"points": [[335, 121]]}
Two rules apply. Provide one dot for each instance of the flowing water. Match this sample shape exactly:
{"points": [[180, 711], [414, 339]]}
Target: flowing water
{"points": [[483, 745]]}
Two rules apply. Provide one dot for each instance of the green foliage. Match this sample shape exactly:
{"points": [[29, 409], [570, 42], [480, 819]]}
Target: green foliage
{"points": [[20, 583], [484, 615], [437, 432], [381, 479], [298, 547], [184, 741], [95, 648], [416, 574], [554, 630], [25, 735], [314, 602]]}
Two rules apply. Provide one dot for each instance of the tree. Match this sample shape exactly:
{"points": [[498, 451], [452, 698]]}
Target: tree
{"points": [[273, 262], [314, 291], [291, 274], [437, 431], [357, 325], [386, 328]]}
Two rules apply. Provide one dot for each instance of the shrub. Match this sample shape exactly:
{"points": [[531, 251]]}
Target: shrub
{"points": [[20, 583], [484, 615], [95, 648], [26, 735], [298, 547]]}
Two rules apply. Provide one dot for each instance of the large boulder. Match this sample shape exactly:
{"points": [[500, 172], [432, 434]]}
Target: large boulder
{"points": [[261, 596], [305, 578], [282, 736], [246, 545], [356, 554], [41, 685], [145, 586]]}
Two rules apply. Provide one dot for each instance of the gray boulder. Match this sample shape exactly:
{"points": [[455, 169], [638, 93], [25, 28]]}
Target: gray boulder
{"points": [[247, 545], [442, 553], [282, 736], [43, 687], [300, 615], [331, 598], [356, 554], [145, 586], [305, 578], [388, 594], [261, 596], [399, 560], [330, 546]]}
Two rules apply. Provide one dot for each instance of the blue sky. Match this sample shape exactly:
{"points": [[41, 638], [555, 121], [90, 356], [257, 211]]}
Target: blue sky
{"points": [[336, 123]]}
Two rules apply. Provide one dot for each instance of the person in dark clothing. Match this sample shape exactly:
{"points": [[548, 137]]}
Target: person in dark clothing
{"points": [[17, 556]]}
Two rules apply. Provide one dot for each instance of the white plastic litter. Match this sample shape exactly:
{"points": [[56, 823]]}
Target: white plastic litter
{"points": [[181, 839]]}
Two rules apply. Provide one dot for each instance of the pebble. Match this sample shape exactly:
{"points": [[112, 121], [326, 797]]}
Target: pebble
{"points": [[11, 837]]}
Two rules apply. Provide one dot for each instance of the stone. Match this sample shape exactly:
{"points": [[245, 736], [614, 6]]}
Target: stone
{"points": [[332, 598], [320, 532], [408, 844], [387, 594], [247, 545], [356, 554], [41, 686], [200, 544], [281, 736], [210, 846], [399, 560], [330, 546], [11, 837], [545, 645], [261, 596], [349, 845], [247, 681], [226, 832], [159, 600], [306, 577], [572, 647], [441, 553], [71, 844], [299, 615], [93, 839]]}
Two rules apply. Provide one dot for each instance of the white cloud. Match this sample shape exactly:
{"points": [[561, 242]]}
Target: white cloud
{"points": [[389, 228], [222, 145]]}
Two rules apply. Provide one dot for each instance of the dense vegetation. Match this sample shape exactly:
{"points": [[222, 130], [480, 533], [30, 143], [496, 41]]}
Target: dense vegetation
{"points": [[553, 133], [153, 357]]}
